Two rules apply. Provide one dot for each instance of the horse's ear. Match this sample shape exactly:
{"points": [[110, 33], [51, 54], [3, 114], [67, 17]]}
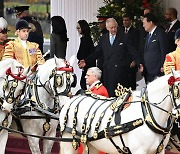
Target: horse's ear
{"points": [[72, 60]]}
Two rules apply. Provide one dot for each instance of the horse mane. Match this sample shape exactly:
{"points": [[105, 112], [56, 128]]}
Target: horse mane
{"points": [[9, 62], [47, 67], [159, 84]]}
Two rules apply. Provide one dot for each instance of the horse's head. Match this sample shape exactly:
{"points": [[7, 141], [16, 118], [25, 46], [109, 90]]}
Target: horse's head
{"points": [[59, 74], [64, 78], [12, 84], [174, 84]]}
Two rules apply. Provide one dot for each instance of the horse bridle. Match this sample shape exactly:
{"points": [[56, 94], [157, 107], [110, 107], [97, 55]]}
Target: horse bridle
{"points": [[10, 98], [59, 80], [175, 91]]}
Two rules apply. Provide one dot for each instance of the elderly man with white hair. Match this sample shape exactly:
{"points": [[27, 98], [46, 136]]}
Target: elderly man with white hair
{"points": [[93, 77]]}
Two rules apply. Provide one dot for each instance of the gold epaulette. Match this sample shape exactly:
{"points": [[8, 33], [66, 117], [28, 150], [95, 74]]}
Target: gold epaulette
{"points": [[100, 97], [97, 86]]}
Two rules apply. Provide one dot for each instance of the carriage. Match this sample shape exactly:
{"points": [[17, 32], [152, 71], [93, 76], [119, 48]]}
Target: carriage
{"points": [[135, 122]]}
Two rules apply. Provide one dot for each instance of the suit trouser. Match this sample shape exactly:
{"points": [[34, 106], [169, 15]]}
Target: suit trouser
{"points": [[112, 75]]}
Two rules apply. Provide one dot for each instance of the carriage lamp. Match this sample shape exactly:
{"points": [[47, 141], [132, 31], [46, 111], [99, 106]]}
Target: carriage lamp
{"points": [[10, 100], [14, 84]]}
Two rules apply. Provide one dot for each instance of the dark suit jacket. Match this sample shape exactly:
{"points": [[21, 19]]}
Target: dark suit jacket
{"points": [[133, 34], [155, 51], [85, 49], [116, 60], [170, 36]]}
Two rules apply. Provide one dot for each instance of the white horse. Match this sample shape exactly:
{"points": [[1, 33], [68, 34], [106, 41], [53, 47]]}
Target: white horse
{"points": [[53, 78], [141, 128], [12, 81]]}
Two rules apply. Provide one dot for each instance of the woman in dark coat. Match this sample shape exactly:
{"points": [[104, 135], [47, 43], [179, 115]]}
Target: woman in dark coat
{"points": [[58, 38], [85, 49]]}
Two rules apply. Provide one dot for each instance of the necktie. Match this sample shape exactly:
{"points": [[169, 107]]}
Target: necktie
{"points": [[148, 37], [112, 39], [126, 30], [168, 27]]}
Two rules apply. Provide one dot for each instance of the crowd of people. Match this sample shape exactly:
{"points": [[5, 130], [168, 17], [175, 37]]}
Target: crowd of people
{"points": [[121, 51]]}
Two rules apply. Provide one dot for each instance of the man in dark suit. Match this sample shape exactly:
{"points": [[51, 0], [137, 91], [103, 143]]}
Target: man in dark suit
{"points": [[174, 24], [143, 33], [155, 49], [117, 52], [36, 33], [133, 34]]}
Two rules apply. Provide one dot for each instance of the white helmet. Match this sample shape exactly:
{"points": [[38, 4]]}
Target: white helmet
{"points": [[3, 24]]}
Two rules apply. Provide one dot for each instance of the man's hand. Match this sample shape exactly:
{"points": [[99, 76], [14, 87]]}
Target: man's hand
{"points": [[133, 64], [82, 64], [141, 68], [162, 69]]}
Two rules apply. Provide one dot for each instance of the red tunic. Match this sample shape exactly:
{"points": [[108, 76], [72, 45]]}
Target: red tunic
{"points": [[99, 89]]}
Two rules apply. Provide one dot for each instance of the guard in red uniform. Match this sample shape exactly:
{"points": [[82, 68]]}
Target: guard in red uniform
{"points": [[93, 77]]}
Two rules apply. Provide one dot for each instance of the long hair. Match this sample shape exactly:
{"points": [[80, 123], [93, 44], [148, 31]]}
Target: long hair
{"points": [[85, 29], [59, 27]]}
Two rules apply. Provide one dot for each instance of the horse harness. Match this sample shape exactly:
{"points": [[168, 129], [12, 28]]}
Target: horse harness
{"points": [[34, 103], [10, 98], [116, 106], [109, 131]]}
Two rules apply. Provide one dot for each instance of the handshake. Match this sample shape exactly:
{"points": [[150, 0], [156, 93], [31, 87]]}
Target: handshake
{"points": [[81, 64]]}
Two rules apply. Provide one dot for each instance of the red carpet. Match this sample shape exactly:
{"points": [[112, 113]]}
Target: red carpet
{"points": [[19, 145]]}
